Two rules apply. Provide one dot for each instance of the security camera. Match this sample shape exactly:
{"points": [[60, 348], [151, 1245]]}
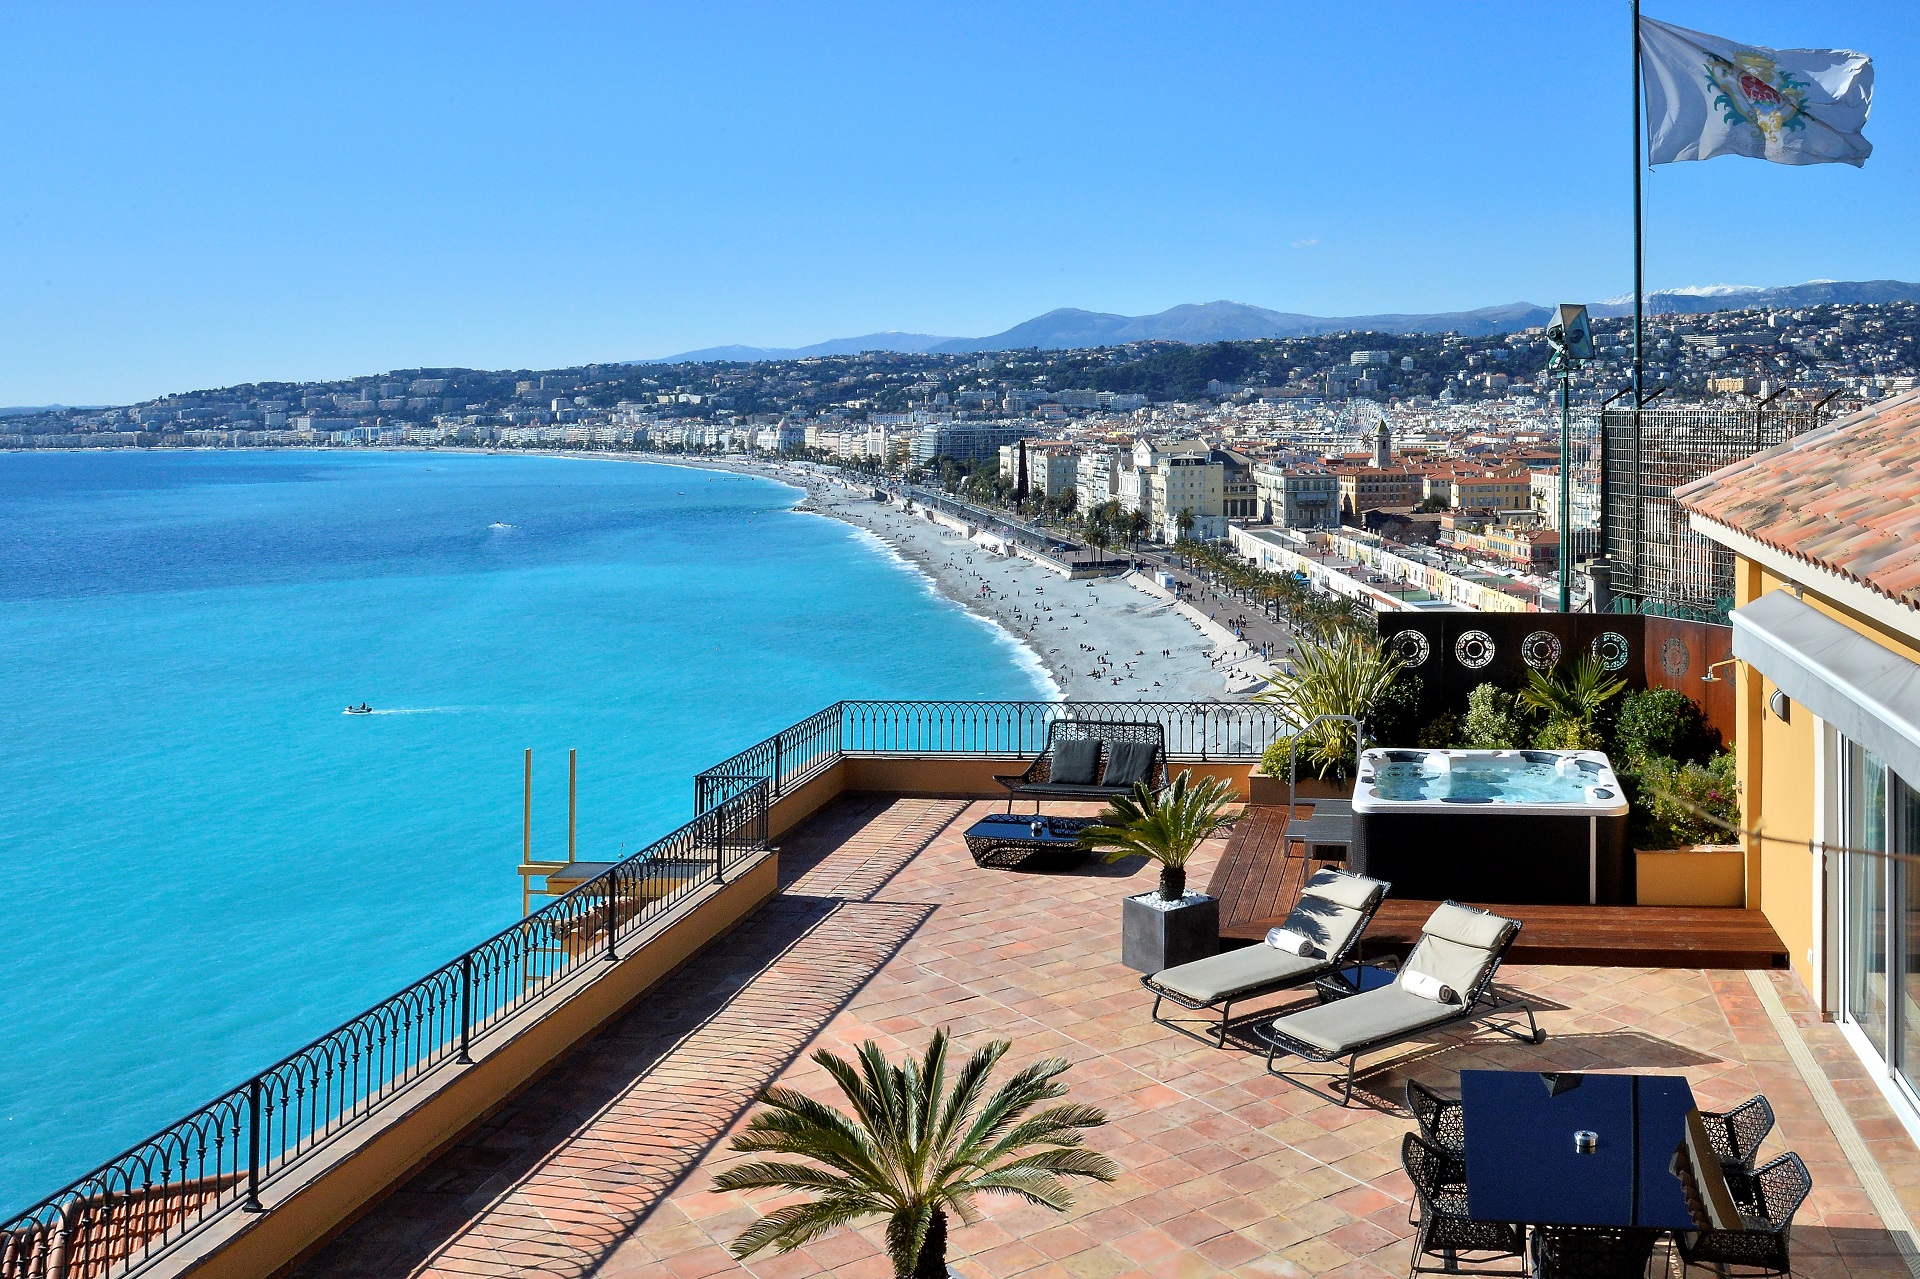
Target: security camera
{"points": [[1570, 335]]}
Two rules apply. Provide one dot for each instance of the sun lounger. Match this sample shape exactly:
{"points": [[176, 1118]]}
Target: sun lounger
{"points": [[1459, 951], [1333, 911]]}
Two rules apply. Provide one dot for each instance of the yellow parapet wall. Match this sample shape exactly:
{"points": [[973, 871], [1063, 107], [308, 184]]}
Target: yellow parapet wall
{"points": [[310, 1204], [1703, 876]]}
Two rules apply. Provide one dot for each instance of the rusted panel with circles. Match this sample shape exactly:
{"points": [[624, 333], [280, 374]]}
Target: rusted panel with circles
{"points": [[1454, 651]]}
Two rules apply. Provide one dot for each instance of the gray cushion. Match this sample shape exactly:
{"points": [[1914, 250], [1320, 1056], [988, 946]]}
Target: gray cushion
{"points": [[1074, 761], [1340, 1027], [1234, 972], [1457, 946], [1344, 887], [1061, 788], [1127, 763], [1466, 926], [1329, 925]]}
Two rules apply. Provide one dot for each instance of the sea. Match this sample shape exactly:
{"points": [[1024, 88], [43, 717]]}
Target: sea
{"points": [[207, 864]]}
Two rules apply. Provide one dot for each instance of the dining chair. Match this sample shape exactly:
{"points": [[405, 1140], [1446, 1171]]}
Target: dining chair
{"points": [[1736, 1134], [1774, 1193], [1442, 1119], [1445, 1231], [1591, 1252]]}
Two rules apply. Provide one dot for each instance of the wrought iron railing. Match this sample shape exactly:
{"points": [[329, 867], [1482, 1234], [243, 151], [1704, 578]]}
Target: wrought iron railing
{"points": [[227, 1152], [1195, 731]]}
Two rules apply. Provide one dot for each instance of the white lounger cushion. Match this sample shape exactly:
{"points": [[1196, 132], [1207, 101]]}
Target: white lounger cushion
{"points": [[1342, 888], [1456, 947], [1206, 981], [1343, 1025]]}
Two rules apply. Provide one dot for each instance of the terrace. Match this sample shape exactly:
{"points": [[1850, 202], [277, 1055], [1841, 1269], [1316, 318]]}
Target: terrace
{"points": [[572, 1121]]}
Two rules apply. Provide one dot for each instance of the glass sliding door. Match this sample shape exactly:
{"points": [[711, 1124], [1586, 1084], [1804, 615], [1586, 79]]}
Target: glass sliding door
{"points": [[1880, 913], [1903, 836], [1864, 898]]}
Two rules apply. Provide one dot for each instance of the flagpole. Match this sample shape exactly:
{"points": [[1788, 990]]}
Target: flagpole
{"points": [[1639, 255]]}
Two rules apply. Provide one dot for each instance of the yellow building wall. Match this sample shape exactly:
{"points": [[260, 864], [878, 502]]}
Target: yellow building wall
{"points": [[1776, 765]]}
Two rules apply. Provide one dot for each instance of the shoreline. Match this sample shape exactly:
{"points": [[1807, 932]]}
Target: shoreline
{"points": [[1143, 648], [1137, 646]]}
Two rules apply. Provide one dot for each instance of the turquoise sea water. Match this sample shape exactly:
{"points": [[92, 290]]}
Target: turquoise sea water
{"points": [[207, 864]]}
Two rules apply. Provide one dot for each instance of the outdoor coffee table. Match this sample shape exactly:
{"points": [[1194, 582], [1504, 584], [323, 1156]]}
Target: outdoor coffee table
{"points": [[1351, 979], [1008, 841]]}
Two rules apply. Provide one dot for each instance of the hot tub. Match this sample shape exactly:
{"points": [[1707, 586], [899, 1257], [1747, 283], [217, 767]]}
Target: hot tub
{"points": [[1521, 827]]}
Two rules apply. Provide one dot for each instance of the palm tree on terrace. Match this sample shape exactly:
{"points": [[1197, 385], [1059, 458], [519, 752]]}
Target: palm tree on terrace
{"points": [[1167, 827], [913, 1151]]}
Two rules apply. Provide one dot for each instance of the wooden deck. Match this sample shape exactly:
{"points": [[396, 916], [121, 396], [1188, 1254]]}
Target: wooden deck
{"points": [[1259, 877]]}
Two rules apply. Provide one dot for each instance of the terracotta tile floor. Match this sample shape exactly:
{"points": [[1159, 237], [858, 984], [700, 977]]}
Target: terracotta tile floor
{"points": [[884, 929]]}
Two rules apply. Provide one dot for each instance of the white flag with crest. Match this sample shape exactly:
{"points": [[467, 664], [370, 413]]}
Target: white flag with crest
{"points": [[1707, 96]]}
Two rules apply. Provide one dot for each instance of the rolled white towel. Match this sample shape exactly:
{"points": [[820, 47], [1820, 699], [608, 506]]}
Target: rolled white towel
{"points": [[1427, 986], [1291, 942]]}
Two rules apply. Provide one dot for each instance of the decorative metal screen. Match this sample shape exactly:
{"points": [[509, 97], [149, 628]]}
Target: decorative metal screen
{"points": [[1660, 564]]}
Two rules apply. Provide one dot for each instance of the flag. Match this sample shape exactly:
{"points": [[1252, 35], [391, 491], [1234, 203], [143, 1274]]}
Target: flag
{"points": [[1707, 96]]}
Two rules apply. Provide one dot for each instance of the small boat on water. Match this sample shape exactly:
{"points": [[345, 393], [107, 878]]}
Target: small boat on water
{"points": [[361, 709]]}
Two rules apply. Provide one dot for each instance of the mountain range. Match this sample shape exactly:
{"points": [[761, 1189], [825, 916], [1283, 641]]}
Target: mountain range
{"points": [[1069, 327]]}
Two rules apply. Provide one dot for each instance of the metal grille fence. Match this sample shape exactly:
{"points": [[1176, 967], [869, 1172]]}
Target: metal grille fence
{"points": [[1660, 564]]}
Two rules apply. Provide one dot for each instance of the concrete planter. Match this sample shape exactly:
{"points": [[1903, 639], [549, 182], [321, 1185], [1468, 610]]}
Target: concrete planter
{"points": [[1154, 937], [1265, 788], [1700, 875]]}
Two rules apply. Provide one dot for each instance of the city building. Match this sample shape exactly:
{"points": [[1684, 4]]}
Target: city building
{"points": [[1096, 478], [1298, 496], [1187, 485], [966, 443], [1369, 488]]}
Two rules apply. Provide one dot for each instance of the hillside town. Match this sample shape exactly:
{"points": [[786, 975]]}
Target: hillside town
{"points": [[1400, 472]]}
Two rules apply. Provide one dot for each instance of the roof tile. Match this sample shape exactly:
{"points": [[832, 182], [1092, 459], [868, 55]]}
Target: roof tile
{"points": [[1846, 498]]}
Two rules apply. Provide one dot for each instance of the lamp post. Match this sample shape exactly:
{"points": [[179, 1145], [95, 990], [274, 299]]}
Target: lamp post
{"points": [[1572, 341]]}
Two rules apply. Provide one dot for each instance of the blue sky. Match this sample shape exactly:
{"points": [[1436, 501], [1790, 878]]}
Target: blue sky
{"points": [[199, 195]]}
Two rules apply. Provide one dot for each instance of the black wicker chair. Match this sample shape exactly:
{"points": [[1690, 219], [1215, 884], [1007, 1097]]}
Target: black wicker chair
{"points": [[1038, 781], [1442, 1120], [1444, 1230], [1589, 1252], [1736, 1134], [1771, 1196]]}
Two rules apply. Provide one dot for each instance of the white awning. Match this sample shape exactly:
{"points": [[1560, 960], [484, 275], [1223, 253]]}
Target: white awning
{"points": [[1869, 693]]}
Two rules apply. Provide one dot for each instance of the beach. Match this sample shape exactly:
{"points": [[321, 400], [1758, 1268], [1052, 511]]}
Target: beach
{"points": [[1101, 639]]}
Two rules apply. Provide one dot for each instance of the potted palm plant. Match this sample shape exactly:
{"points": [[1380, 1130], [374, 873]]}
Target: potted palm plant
{"points": [[1163, 929], [912, 1151]]}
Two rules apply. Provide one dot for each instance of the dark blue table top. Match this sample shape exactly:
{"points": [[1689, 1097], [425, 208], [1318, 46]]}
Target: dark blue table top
{"points": [[1521, 1161], [1020, 826]]}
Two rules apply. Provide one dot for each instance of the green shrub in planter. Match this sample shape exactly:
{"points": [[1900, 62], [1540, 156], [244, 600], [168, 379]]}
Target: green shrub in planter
{"points": [[1492, 722], [1656, 722], [1686, 803], [1395, 717], [1439, 733]]}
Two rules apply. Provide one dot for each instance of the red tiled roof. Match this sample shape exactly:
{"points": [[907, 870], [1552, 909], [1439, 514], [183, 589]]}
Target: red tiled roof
{"points": [[1846, 497]]}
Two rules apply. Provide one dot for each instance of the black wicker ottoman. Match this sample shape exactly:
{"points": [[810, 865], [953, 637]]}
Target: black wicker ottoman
{"points": [[1008, 841]]}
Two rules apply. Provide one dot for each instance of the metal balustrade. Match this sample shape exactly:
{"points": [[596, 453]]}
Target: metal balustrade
{"points": [[227, 1154], [1195, 731]]}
